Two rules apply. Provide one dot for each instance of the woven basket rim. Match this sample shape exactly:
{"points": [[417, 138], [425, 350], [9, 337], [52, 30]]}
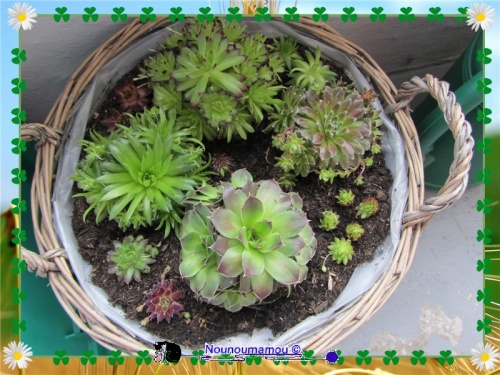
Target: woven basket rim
{"points": [[52, 262]]}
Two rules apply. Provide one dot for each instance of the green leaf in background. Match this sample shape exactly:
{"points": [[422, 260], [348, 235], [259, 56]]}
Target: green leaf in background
{"points": [[484, 236], [418, 357], [205, 15], [18, 266], [483, 85], [349, 15], [19, 176], [483, 205], [147, 15], [19, 85], [482, 55], [19, 146], [19, 295], [484, 325], [119, 14], [19, 55], [484, 116], [445, 357], [363, 356], [61, 14], [320, 15], [377, 15], [176, 14], [262, 15], [483, 146], [390, 357], [484, 295], [20, 116], [60, 357], [483, 265], [292, 15], [406, 15], [435, 15], [463, 12], [234, 15], [143, 356], [19, 205], [90, 15], [18, 325], [484, 175]]}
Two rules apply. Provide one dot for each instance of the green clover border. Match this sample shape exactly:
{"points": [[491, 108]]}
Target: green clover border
{"points": [[291, 15]]}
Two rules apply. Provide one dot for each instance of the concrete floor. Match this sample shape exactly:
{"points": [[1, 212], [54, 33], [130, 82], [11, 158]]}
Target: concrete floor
{"points": [[434, 308]]}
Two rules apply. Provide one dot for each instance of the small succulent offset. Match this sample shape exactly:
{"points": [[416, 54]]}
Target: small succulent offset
{"points": [[162, 302], [345, 197], [132, 98], [341, 250], [330, 220], [143, 175], [367, 208], [354, 231], [237, 254], [131, 258], [311, 74], [222, 164]]}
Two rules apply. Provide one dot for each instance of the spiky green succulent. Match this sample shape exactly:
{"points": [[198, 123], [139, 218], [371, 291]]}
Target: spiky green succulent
{"points": [[341, 250], [286, 47], [346, 197], [330, 220], [354, 231], [311, 74], [131, 258], [367, 208], [238, 253], [230, 77], [144, 174]]}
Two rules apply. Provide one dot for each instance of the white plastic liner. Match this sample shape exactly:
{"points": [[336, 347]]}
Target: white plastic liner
{"points": [[363, 277]]}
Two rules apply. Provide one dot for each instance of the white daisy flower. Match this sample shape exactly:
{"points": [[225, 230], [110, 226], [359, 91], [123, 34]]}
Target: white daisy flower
{"points": [[17, 354], [485, 357], [480, 16], [22, 15]]}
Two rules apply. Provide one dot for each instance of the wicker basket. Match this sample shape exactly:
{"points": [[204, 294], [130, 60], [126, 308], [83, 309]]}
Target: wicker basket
{"points": [[52, 263]]}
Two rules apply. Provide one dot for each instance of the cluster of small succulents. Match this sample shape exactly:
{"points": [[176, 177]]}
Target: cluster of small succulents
{"points": [[214, 72], [335, 128], [237, 254], [139, 175], [131, 258], [241, 240]]}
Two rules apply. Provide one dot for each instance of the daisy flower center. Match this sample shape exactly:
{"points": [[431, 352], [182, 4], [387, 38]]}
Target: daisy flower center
{"points": [[485, 357], [17, 356], [21, 17], [480, 17]]}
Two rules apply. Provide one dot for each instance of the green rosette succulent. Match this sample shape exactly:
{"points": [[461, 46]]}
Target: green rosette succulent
{"points": [[229, 77], [311, 74], [131, 258], [144, 174], [257, 239]]}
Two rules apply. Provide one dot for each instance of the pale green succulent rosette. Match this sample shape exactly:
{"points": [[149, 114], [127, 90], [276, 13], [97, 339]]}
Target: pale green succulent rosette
{"points": [[258, 239]]}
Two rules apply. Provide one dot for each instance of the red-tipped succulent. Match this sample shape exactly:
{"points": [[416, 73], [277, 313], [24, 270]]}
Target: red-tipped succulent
{"points": [[132, 98], [163, 302]]}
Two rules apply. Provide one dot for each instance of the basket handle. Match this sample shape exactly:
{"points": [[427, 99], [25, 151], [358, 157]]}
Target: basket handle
{"points": [[455, 185]]}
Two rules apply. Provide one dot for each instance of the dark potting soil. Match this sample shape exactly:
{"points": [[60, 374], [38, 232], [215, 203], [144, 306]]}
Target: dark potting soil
{"points": [[209, 323]]}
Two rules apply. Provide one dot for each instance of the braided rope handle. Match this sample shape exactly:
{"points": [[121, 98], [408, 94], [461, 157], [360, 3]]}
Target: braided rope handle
{"points": [[41, 133], [455, 185]]}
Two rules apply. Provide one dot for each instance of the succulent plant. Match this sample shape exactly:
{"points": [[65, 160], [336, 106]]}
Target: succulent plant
{"points": [[208, 64], [222, 164], [330, 220], [237, 254], [163, 302], [131, 258], [132, 98], [341, 250], [144, 174], [367, 208], [354, 231], [312, 74], [335, 123], [284, 117], [327, 175], [286, 47], [228, 77], [115, 117], [345, 197], [297, 157]]}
